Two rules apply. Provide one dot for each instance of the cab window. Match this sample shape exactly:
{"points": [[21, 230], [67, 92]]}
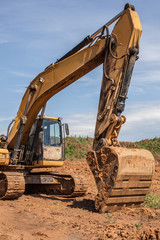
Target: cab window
{"points": [[52, 133]]}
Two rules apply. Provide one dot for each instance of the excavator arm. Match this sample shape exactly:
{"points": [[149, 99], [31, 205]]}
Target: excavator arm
{"points": [[119, 60], [123, 176]]}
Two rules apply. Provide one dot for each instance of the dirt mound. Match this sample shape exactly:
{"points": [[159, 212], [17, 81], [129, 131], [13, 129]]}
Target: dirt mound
{"points": [[127, 232], [44, 217]]}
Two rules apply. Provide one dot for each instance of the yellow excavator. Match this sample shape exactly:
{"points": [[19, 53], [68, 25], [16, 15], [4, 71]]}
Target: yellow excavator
{"points": [[123, 176]]}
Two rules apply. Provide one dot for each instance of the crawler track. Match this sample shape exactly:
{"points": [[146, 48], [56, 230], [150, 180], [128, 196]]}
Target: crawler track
{"points": [[12, 185], [56, 183]]}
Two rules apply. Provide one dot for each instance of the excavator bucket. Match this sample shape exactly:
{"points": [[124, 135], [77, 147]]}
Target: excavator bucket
{"points": [[123, 176]]}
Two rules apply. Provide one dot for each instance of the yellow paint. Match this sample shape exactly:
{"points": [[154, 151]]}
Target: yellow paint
{"points": [[46, 163], [4, 157], [54, 118]]}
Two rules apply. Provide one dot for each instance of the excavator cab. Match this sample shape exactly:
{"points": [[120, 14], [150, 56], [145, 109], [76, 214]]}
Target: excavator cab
{"points": [[50, 151]]}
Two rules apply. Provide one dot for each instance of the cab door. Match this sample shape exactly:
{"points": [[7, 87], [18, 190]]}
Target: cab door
{"points": [[52, 140]]}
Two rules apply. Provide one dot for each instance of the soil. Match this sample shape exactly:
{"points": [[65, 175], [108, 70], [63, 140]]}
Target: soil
{"points": [[43, 217]]}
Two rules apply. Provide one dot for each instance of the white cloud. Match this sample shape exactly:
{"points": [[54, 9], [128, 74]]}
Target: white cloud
{"points": [[146, 75], [92, 78], [149, 44], [2, 119], [21, 74], [143, 121], [18, 90], [81, 124], [138, 90], [87, 81], [4, 123], [2, 41], [150, 52]]}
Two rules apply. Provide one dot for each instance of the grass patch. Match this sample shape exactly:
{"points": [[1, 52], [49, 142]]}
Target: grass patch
{"points": [[108, 217], [77, 147], [70, 149], [138, 225], [54, 203], [82, 140], [153, 145], [29, 205], [152, 201]]}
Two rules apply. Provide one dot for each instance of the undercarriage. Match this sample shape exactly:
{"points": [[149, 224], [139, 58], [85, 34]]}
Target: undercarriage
{"points": [[13, 184]]}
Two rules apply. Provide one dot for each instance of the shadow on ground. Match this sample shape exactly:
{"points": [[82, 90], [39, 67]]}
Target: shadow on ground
{"points": [[85, 204], [52, 197]]}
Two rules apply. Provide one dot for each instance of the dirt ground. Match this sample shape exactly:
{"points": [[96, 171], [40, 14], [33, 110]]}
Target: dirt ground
{"points": [[45, 217]]}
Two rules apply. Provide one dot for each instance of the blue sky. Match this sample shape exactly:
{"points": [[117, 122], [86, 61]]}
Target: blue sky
{"points": [[35, 33]]}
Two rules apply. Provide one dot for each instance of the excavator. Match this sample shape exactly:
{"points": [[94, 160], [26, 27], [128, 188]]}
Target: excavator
{"points": [[123, 176]]}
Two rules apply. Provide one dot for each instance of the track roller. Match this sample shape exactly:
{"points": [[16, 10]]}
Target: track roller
{"points": [[56, 183]]}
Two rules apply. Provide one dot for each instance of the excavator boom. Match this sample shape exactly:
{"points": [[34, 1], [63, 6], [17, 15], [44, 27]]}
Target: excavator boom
{"points": [[51, 81], [68, 69]]}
